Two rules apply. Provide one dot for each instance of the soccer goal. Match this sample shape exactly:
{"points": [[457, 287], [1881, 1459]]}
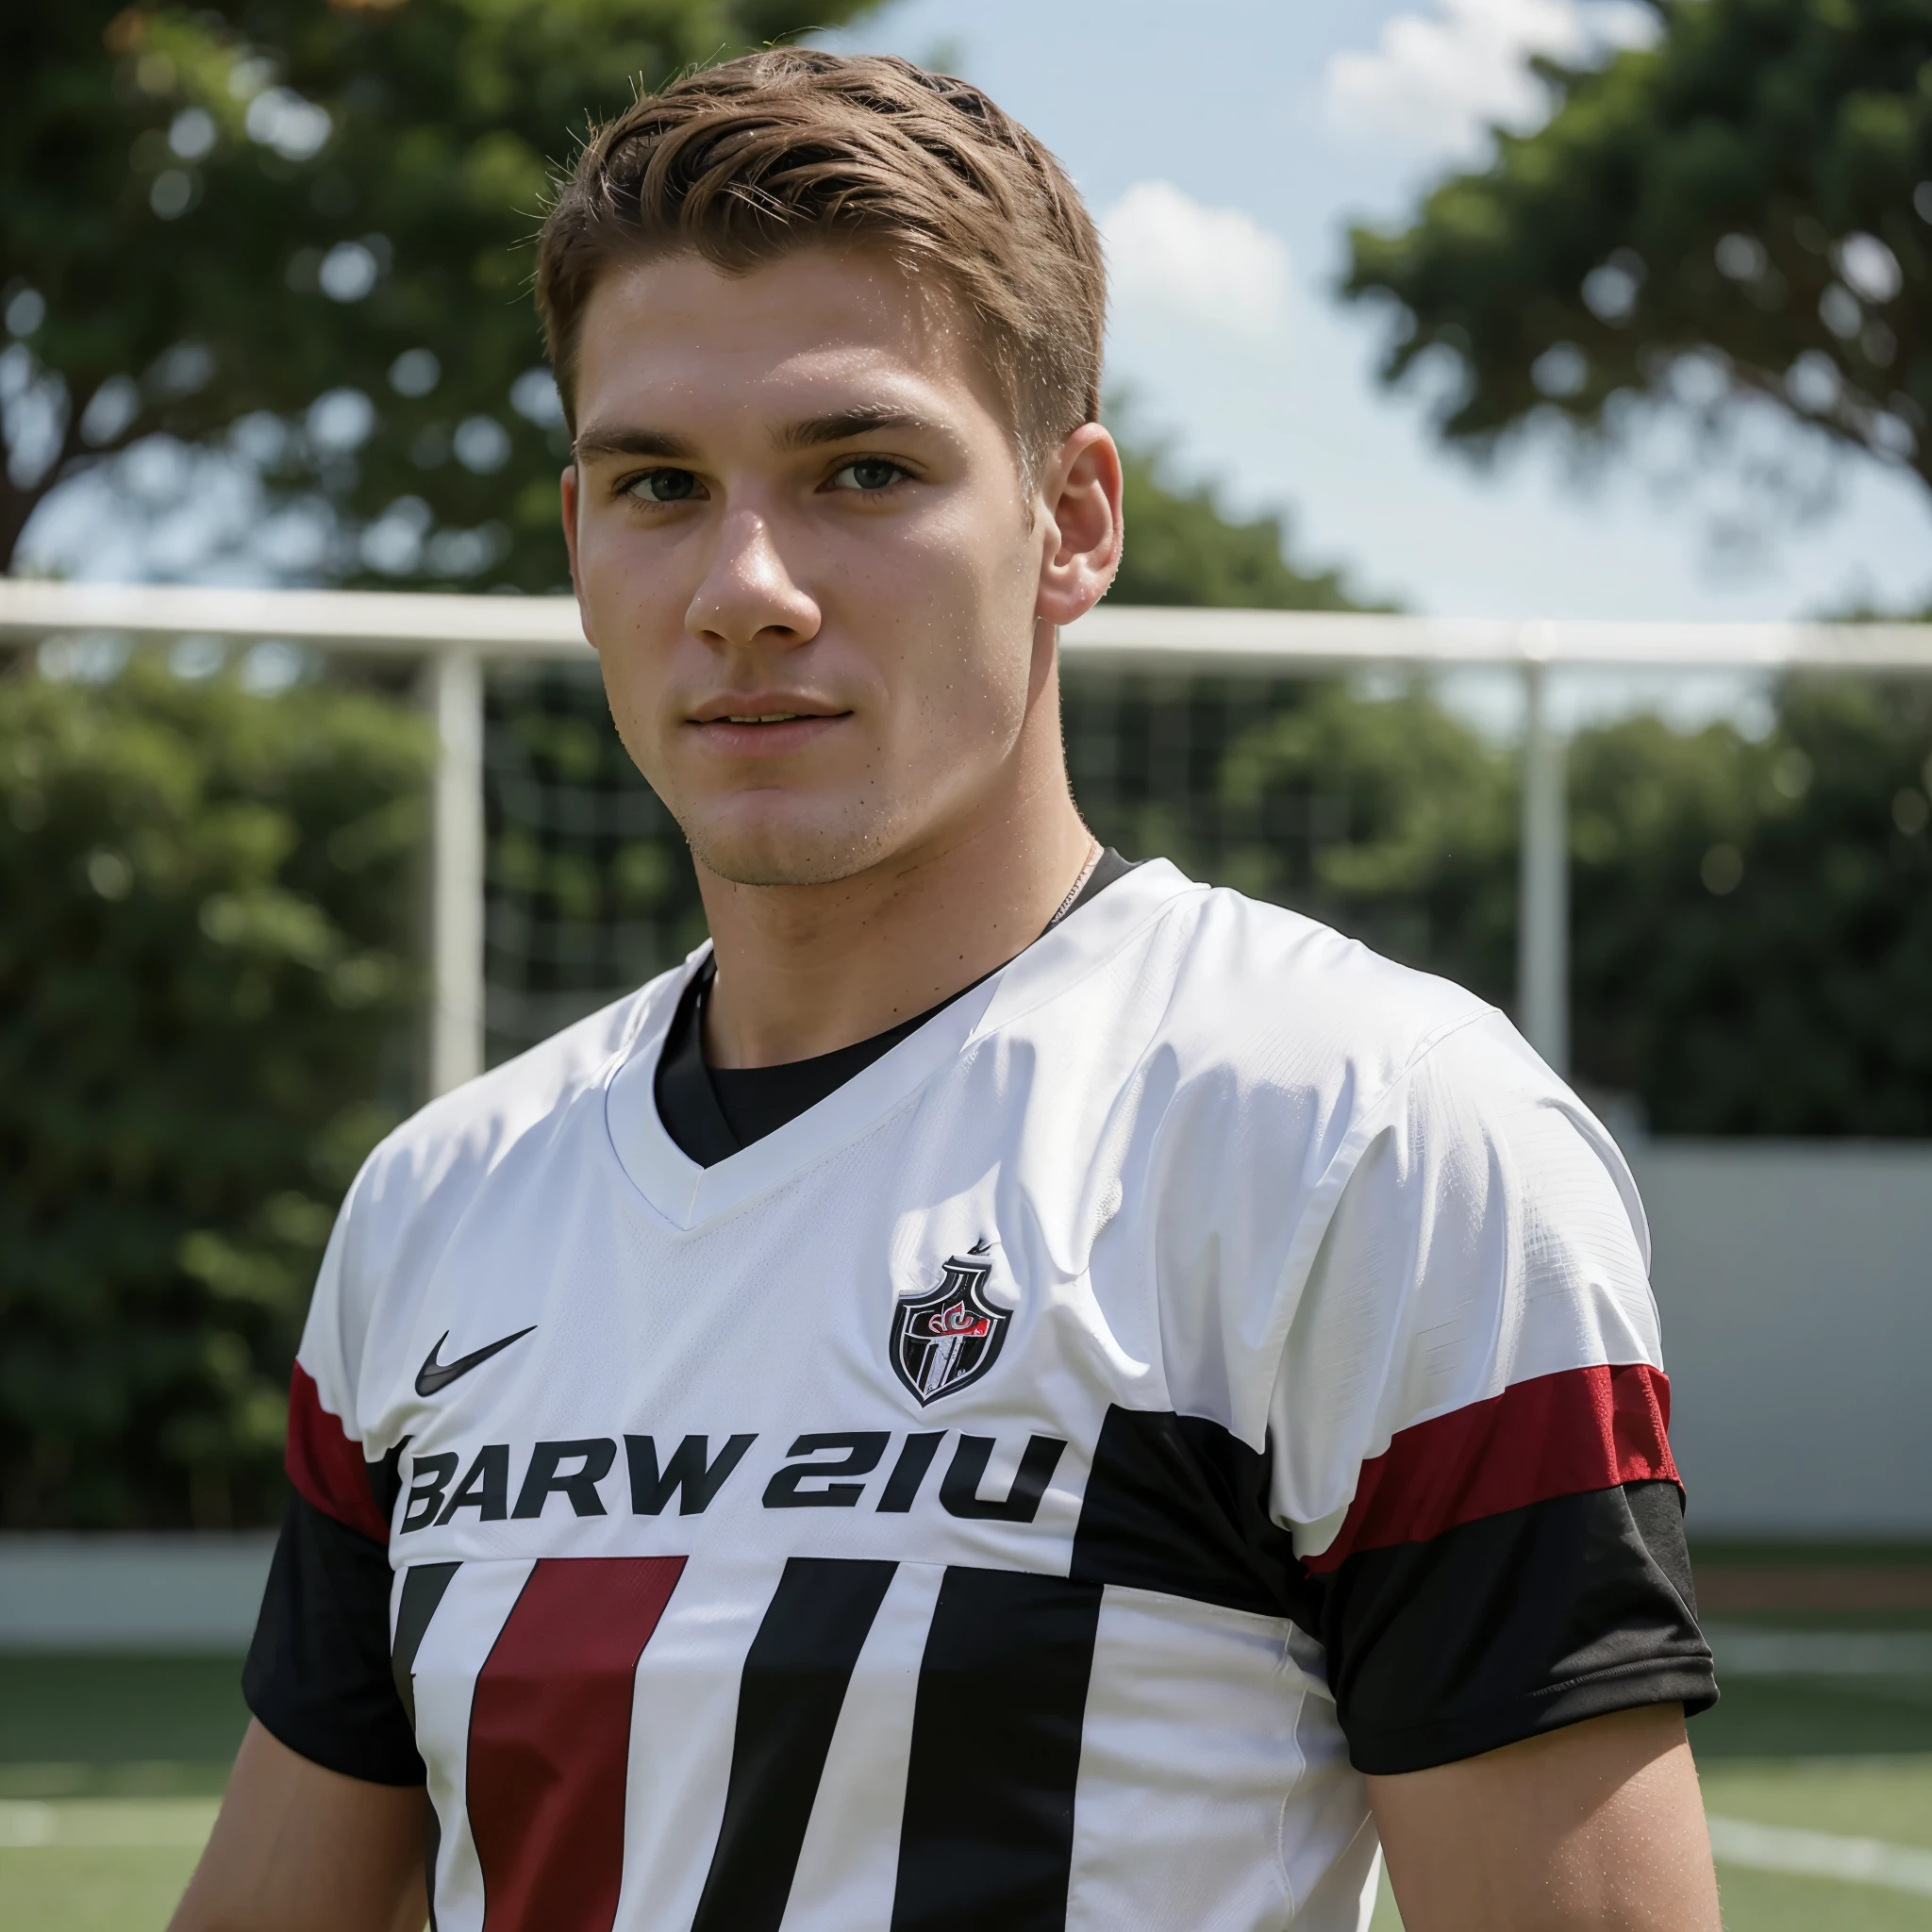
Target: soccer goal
{"points": [[552, 883]]}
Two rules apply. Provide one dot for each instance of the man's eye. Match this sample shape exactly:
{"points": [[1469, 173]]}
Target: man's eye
{"points": [[663, 486], [868, 473]]}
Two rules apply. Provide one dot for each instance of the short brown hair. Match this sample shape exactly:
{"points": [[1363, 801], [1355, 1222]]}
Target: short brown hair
{"points": [[744, 163]]}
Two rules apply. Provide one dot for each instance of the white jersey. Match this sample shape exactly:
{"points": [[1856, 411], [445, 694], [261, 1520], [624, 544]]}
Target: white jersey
{"points": [[908, 1522]]}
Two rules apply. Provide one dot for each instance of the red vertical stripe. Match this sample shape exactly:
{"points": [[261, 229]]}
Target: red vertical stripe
{"points": [[550, 1740]]}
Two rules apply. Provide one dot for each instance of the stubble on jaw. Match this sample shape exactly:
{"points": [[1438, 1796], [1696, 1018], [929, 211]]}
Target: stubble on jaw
{"points": [[789, 856], [869, 830], [881, 814]]}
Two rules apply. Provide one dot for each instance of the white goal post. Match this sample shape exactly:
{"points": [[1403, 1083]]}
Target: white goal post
{"points": [[453, 637]]}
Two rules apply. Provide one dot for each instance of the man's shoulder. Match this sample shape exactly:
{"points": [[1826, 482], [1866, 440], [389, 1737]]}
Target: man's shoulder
{"points": [[1277, 998], [1262, 1050], [462, 1136], [528, 1117]]}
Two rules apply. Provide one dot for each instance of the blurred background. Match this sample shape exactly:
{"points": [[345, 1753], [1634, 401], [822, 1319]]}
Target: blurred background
{"points": [[1533, 309]]}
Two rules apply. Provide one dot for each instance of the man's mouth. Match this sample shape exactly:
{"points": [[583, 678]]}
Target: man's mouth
{"points": [[763, 729], [758, 707]]}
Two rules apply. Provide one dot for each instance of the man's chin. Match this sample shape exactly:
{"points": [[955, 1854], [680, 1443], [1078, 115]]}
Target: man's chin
{"points": [[787, 854]]}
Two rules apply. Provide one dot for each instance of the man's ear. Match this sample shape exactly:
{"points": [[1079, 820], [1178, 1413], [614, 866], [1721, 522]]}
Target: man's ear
{"points": [[567, 494], [1081, 525]]}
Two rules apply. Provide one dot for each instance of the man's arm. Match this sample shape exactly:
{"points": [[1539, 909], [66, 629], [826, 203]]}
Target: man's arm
{"points": [[1596, 1828], [300, 1849]]}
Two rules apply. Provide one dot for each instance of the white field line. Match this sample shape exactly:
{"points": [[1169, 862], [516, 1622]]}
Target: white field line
{"points": [[1746, 1650], [1820, 1855], [183, 1824], [108, 1824]]}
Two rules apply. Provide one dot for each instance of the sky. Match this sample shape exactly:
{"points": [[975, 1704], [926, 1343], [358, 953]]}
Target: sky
{"points": [[1225, 146]]}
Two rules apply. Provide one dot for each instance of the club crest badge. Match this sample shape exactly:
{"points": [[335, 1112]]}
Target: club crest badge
{"points": [[951, 1335]]}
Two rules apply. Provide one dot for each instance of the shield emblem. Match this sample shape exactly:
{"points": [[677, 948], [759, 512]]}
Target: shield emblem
{"points": [[950, 1336]]}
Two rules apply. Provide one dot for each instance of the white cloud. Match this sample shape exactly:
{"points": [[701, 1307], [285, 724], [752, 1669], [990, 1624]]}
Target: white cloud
{"points": [[1210, 266], [1436, 81]]}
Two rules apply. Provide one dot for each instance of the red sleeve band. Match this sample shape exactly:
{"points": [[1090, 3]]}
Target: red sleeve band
{"points": [[326, 1466], [1558, 1435]]}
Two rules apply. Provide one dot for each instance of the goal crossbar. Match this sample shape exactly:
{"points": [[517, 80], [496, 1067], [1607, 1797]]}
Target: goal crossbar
{"points": [[455, 637], [1190, 641]]}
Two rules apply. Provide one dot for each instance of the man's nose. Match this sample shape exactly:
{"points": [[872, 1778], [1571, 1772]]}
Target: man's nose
{"points": [[747, 592]]}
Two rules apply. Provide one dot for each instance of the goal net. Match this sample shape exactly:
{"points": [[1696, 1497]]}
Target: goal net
{"points": [[1286, 787]]}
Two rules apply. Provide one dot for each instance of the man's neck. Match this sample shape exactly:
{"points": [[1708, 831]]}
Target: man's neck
{"points": [[805, 970]]}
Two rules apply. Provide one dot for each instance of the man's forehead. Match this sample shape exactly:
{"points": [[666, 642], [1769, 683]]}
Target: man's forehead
{"points": [[806, 337]]}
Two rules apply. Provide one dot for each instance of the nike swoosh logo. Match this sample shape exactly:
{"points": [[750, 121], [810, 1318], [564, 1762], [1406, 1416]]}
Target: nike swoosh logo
{"points": [[434, 1375]]}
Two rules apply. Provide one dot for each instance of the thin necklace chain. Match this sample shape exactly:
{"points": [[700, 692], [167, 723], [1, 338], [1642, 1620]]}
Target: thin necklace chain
{"points": [[1079, 885]]}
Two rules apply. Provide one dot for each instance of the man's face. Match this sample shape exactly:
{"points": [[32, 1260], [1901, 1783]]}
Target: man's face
{"points": [[806, 556]]}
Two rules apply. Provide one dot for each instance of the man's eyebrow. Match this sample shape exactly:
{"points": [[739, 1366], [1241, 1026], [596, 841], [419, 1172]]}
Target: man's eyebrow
{"points": [[840, 426], [634, 443]]}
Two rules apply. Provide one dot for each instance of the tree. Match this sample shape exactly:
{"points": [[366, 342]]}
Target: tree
{"points": [[1739, 210], [1753, 922], [1751, 919], [1183, 548], [301, 230], [207, 1009], [1389, 818]]}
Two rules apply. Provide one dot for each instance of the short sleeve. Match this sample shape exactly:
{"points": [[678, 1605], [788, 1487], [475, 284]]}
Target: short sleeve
{"points": [[1469, 1430], [317, 1675]]}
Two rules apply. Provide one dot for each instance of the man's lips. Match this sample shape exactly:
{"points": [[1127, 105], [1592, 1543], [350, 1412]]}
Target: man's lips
{"points": [[763, 726]]}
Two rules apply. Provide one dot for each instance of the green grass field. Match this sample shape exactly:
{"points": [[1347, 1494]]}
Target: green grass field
{"points": [[111, 1770]]}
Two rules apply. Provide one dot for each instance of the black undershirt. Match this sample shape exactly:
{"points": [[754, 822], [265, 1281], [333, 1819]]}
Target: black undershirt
{"points": [[713, 1112]]}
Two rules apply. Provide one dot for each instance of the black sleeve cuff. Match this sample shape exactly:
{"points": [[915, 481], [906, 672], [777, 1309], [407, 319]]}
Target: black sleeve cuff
{"points": [[1517, 1624], [317, 1675]]}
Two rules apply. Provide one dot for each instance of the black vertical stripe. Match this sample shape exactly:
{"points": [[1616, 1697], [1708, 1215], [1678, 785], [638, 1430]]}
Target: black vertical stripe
{"points": [[789, 1700], [987, 1835], [1176, 1504], [424, 1585]]}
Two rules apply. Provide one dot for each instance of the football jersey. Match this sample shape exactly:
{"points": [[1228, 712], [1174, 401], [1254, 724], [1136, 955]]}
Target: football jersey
{"points": [[1026, 1490]]}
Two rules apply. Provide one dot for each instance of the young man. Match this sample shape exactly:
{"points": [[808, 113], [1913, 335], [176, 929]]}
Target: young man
{"points": [[1011, 1392]]}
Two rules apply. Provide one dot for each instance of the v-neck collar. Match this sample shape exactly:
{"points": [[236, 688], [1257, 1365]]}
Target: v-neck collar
{"points": [[714, 1112], [690, 1196]]}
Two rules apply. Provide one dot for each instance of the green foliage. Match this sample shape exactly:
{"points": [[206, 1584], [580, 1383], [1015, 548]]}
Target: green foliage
{"points": [[1384, 816], [204, 990], [1753, 922], [1182, 548], [221, 215], [591, 889], [1752, 193], [1389, 819], [217, 214]]}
